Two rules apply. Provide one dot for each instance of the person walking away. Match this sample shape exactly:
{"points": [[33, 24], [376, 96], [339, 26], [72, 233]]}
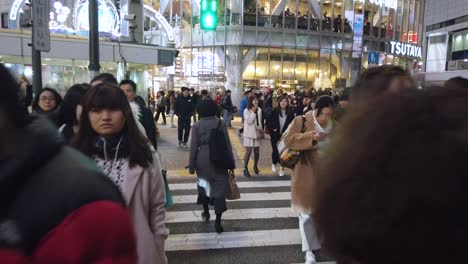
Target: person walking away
{"points": [[277, 123], [205, 95], [52, 195], [243, 105], [168, 102], [227, 107], [184, 109], [47, 103], [252, 123], [71, 109], [108, 133], [195, 100], [161, 107], [213, 182], [318, 126], [145, 116]]}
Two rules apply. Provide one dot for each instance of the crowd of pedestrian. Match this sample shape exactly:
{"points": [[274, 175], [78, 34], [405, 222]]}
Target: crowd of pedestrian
{"points": [[377, 175]]}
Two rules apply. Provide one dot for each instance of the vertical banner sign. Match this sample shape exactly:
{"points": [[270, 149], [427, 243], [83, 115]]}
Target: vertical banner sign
{"points": [[41, 34]]}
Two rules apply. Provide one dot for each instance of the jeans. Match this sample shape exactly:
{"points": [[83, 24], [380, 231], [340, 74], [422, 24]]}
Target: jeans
{"points": [[227, 116], [161, 110], [309, 237], [183, 128]]}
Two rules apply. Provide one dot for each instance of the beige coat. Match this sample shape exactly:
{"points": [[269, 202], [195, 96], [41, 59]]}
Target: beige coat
{"points": [[303, 177], [250, 123], [145, 196]]}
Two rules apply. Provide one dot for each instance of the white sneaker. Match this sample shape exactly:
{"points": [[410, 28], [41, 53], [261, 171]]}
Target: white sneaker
{"points": [[310, 258], [273, 167], [281, 172]]}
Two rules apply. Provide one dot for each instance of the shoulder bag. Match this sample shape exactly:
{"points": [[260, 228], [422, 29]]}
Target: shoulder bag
{"points": [[289, 157]]}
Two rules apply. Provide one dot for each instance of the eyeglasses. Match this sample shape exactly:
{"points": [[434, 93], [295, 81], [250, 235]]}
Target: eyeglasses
{"points": [[46, 98]]}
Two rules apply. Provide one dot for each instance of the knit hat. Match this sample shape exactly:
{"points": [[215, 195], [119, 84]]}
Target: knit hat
{"points": [[324, 101]]}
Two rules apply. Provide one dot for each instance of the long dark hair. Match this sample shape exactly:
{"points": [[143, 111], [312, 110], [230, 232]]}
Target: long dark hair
{"points": [[109, 96], [58, 99], [278, 106], [251, 99], [72, 99]]}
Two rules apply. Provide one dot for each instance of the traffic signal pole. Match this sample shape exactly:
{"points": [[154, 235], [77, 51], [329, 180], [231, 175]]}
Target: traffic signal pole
{"points": [[93, 39]]}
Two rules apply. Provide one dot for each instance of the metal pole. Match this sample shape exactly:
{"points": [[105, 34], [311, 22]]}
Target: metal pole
{"points": [[93, 41], [36, 62]]}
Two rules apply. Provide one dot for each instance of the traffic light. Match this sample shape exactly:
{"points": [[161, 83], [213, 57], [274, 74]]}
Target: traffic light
{"points": [[209, 14]]}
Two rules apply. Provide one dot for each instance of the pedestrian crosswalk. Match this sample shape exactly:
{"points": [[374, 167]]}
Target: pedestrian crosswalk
{"points": [[259, 228]]}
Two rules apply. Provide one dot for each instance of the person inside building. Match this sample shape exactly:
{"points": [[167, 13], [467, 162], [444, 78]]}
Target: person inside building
{"points": [[52, 196], [47, 103], [70, 112], [109, 134], [227, 108], [277, 123], [318, 126], [212, 181], [253, 130], [161, 103], [104, 78], [184, 110], [144, 114], [411, 191]]}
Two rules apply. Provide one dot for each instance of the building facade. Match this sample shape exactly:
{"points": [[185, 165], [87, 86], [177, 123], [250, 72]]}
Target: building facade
{"points": [[275, 44], [446, 40]]}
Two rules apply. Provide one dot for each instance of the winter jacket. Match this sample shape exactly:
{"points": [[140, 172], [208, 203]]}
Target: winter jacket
{"points": [[199, 159], [273, 123], [226, 103], [53, 198], [184, 106], [303, 176], [144, 193], [145, 116], [252, 123]]}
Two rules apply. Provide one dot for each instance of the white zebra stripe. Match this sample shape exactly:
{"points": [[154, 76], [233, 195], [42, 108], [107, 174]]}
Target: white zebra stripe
{"points": [[232, 214], [276, 196], [249, 184], [261, 238]]}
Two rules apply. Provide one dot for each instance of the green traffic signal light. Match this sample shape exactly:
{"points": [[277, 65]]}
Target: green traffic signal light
{"points": [[209, 14]]}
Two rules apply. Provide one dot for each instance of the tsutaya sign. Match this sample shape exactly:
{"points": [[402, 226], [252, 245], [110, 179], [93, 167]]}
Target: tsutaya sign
{"points": [[405, 49], [387, 3]]}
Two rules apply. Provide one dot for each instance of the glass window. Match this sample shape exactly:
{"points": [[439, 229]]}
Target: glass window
{"points": [[338, 16], [275, 63], [289, 60], [404, 33], [399, 26], [349, 16], [324, 78], [313, 63]]}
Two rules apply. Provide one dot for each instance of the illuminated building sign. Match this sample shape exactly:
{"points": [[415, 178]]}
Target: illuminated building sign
{"points": [[405, 49]]}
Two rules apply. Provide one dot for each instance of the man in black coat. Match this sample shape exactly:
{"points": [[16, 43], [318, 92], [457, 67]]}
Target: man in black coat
{"points": [[51, 195], [145, 116], [195, 101], [184, 109]]}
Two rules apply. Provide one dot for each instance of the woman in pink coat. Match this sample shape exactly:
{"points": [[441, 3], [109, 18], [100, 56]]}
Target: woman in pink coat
{"points": [[109, 134]]}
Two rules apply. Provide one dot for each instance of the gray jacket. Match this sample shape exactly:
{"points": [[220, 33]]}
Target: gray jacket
{"points": [[199, 160]]}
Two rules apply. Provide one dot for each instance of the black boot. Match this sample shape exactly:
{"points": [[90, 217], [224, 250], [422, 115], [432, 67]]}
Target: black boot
{"points": [[206, 213], [246, 173], [218, 227], [256, 169]]}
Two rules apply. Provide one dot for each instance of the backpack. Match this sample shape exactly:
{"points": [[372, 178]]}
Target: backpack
{"points": [[219, 151]]}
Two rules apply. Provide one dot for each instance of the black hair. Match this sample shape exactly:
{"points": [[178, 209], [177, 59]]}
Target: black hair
{"points": [[10, 101], [322, 102], [228, 91], [108, 96], [105, 77], [458, 82], [288, 108], [162, 93], [250, 102], [127, 81], [204, 92], [192, 89], [207, 108], [58, 99], [183, 89], [72, 99], [247, 92]]}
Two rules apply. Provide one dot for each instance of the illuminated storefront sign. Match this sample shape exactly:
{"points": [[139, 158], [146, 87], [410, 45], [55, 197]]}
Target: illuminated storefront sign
{"points": [[405, 49]]}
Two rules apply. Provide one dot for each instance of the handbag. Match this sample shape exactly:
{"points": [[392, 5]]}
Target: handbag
{"points": [[260, 134], [233, 190], [169, 200], [289, 157]]}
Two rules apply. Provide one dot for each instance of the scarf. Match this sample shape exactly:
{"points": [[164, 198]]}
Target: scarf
{"points": [[113, 147]]}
